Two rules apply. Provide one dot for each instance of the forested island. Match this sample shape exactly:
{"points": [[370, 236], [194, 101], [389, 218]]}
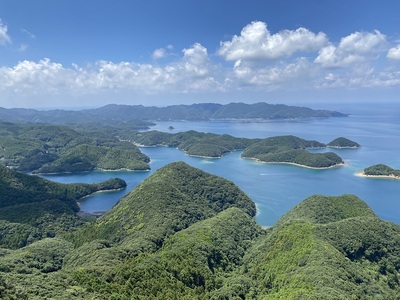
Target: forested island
{"points": [[46, 148], [186, 234], [381, 171], [280, 149]]}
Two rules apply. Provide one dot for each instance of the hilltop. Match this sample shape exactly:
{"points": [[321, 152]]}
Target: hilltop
{"points": [[187, 234]]}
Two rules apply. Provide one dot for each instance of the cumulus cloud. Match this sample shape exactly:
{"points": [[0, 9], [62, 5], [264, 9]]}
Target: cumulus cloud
{"points": [[191, 72], [354, 48], [256, 42], [394, 53], [298, 73], [257, 61], [4, 37]]}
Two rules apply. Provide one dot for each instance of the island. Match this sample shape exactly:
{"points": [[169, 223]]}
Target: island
{"points": [[380, 171], [342, 142], [292, 150], [279, 149]]}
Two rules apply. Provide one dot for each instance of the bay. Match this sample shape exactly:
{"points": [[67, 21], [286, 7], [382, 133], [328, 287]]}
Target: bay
{"points": [[276, 188]]}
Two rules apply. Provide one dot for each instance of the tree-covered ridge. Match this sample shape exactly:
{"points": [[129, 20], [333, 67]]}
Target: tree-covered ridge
{"points": [[193, 142], [322, 249], [178, 236], [26, 198], [291, 149], [158, 207], [55, 149], [279, 149], [120, 115], [381, 170]]}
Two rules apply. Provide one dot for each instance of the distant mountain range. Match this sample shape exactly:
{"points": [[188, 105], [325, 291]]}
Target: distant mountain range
{"points": [[138, 114]]}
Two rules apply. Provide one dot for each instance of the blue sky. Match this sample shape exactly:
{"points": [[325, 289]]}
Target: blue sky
{"points": [[91, 53]]}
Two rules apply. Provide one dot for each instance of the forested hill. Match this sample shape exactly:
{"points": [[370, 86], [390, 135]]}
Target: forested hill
{"points": [[116, 114], [187, 234]]}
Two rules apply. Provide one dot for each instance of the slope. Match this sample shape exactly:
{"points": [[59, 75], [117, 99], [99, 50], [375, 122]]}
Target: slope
{"points": [[171, 199]]}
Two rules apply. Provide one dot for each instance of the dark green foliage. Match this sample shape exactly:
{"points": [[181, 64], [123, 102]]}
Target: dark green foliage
{"points": [[286, 149], [186, 234], [291, 149], [342, 142], [381, 170], [320, 209], [193, 142], [51, 149], [42, 256], [25, 198], [171, 199], [327, 248], [190, 264]]}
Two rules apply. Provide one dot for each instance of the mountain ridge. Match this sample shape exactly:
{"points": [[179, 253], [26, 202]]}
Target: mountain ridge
{"points": [[112, 114]]}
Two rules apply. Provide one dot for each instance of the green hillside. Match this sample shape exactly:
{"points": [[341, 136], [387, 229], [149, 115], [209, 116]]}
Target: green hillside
{"points": [[170, 200], [33, 202], [186, 234], [54, 148]]}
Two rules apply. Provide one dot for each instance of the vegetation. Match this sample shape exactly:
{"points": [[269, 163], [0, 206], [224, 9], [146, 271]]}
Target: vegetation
{"points": [[56, 149], [342, 142], [27, 198], [291, 149], [186, 234], [381, 170], [279, 149], [158, 207], [132, 116]]}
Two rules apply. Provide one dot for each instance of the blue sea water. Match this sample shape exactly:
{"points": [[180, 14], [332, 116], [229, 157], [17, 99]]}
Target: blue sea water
{"points": [[276, 188]]}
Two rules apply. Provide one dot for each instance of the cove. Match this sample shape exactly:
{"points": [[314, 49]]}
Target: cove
{"points": [[277, 188]]}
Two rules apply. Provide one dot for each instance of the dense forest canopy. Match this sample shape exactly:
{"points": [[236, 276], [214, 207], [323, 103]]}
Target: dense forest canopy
{"points": [[187, 234], [55, 149]]}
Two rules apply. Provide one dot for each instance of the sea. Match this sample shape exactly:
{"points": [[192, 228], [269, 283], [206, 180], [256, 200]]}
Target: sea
{"points": [[277, 188]]}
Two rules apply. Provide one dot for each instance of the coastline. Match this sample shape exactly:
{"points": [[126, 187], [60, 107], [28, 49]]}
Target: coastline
{"points": [[361, 174], [100, 191], [297, 165]]}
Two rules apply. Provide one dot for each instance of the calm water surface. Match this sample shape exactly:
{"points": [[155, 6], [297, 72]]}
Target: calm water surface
{"points": [[277, 188]]}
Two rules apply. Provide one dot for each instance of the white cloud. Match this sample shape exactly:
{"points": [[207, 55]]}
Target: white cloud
{"points": [[4, 37], [255, 42], [189, 73], [298, 74], [159, 53], [394, 53], [354, 48], [254, 68]]}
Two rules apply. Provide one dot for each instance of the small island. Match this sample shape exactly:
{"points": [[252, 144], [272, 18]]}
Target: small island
{"points": [[343, 142], [292, 150], [380, 171]]}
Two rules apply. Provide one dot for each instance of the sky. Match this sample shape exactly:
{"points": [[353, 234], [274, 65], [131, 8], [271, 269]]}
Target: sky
{"points": [[78, 54]]}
